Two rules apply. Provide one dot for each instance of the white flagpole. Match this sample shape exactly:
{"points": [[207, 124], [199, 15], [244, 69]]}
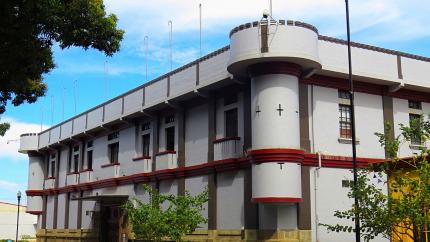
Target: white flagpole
{"points": [[145, 42], [170, 24]]}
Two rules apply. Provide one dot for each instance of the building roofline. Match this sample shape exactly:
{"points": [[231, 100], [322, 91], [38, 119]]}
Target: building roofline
{"points": [[227, 47]]}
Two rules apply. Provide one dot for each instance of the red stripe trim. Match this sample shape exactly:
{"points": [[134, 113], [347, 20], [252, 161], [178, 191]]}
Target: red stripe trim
{"points": [[141, 158], [82, 171], [111, 164], [276, 200], [275, 155], [225, 139], [210, 167], [166, 152], [35, 212]]}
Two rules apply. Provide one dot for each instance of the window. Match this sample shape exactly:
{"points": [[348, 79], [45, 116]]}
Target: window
{"points": [[145, 144], [75, 163], [51, 168], [89, 159], [230, 99], [345, 121], [169, 119], [344, 94], [231, 126], [415, 124], [347, 183], [146, 126], [170, 138], [113, 152], [113, 135], [414, 104]]}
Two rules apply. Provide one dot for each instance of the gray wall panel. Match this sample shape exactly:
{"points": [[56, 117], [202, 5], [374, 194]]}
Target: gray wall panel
{"points": [[73, 211], [214, 69], [61, 210], [230, 213], [95, 118], [113, 110], [183, 81], [196, 185], [156, 92], [79, 124], [50, 213], [196, 135], [133, 101], [66, 130]]}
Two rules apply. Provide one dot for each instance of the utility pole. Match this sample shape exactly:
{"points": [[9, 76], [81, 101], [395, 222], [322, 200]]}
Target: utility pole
{"points": [[354, 148]]}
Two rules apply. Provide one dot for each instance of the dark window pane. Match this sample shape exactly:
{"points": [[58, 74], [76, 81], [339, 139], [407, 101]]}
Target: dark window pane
{"points": [[52, 168], [146, 126], [170, 138], [230, 99], [89, 144], [231, 123], [415, 124], [343, 94], [145, 144], [75, 163], [414, 104], [113, 152], [345, 130], [169, 119], [114, 135], [90, 159]]}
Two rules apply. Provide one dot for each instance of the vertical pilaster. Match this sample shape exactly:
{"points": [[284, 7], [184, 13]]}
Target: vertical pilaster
{"points": [[79, 217], [251, 209], [66, 211], [57, 178], [155, 140], [212, 181], [181, 148], [388, 112], [304, 207]]}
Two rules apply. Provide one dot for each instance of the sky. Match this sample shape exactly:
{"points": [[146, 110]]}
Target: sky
{"points": [[83, 79]]}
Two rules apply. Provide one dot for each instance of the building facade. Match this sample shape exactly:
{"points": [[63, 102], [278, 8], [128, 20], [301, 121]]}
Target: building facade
{"points": [[264, 123], [8, 219]]}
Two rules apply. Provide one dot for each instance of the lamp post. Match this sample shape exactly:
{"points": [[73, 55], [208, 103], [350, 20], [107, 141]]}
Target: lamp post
{"points": [[18, 195], [354, 148]]}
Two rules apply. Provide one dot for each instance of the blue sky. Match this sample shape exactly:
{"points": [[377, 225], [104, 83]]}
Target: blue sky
{"points": [[394, 24]]}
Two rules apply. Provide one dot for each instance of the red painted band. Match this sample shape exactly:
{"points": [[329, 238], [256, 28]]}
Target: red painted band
{"points": [[276, 200], [111, 164], [276, 155], [35, 212], [85, 170], [166, 152], [225, 139], [141, 158]]}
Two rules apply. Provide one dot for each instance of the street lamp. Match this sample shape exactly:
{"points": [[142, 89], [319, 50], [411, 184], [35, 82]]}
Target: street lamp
{"points": [[18, 195], [354, 149]]}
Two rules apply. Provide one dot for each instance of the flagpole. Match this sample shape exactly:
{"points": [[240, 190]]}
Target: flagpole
{"points": [[354, 148]]}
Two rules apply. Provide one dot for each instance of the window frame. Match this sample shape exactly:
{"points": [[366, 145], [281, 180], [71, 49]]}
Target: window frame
{"points": [[168, 138], [227, 130], [345, 122]]}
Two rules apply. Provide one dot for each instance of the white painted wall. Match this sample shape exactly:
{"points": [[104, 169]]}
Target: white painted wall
{"points": [[27, 224], [331, 196], [196, 135], [50, 212], [230, 200], [325, 119], [195, 186]]}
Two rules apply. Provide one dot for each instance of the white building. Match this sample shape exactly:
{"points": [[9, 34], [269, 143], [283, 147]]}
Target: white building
{"points": [[8, 219], [248, 121]]}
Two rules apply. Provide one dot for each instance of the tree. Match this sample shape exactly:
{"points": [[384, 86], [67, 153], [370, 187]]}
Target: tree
{"points": [[403, 214], [150, 222], [29, 29]]}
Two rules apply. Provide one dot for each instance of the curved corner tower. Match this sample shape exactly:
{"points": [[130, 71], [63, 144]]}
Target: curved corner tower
{"points": [[29, 146], [274, 54]]}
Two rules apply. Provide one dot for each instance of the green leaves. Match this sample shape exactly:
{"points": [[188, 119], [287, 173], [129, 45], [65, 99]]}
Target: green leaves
{"points": [[404, 213], [28, 30], [151, 222]]}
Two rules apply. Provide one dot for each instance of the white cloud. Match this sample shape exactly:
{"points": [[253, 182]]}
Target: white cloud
{"points": [[150, 17], [9, 144]]}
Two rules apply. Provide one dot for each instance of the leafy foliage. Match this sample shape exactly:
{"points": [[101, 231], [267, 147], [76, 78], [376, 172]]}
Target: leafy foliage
{"points": [[151, 222], [402, 215], [29, 29]]}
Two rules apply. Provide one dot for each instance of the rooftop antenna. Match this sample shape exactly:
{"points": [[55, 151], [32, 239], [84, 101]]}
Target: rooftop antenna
{"points": [[52, 110], [170, 24], [105, 80], [145, 42], [200, 27], [270, 8], [62, 103], [41, 118], [75, 86]]}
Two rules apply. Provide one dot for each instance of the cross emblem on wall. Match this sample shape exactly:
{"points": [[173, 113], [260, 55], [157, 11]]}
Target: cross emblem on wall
{"points": [[280, 109], [257, 110]]}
